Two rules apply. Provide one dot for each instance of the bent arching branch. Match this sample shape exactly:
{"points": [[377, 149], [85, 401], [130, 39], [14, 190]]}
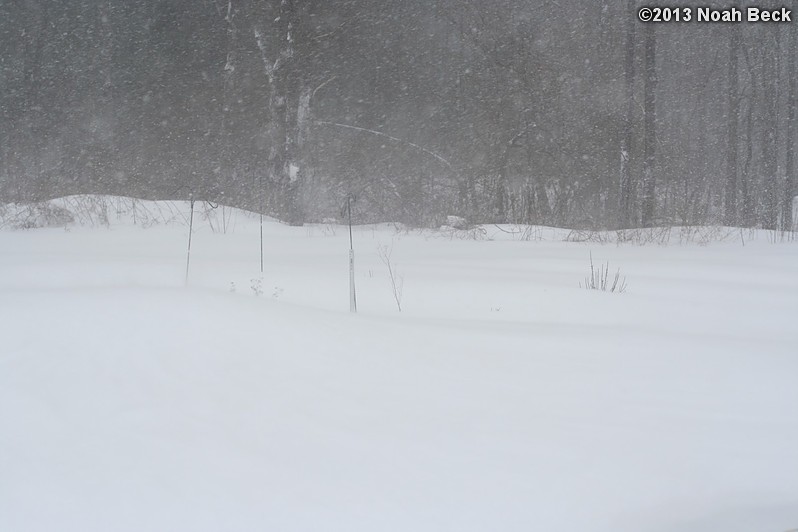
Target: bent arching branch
{"points": [[381, 134]]}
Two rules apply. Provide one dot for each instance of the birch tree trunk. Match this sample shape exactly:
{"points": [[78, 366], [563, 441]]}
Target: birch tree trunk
{"points": [[288, 105]]}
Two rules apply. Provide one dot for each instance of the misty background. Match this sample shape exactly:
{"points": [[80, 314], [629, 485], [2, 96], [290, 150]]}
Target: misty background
{"points": [[570, 114]]}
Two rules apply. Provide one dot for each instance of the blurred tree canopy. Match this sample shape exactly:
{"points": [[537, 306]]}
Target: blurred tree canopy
{"points": [[500, 111]]}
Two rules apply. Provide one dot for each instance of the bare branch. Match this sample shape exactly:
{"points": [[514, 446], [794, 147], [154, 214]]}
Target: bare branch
{"points": [[381, 134]]}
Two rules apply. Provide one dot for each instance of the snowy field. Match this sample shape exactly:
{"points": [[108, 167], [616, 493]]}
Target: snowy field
{"points": [[503, 397]]}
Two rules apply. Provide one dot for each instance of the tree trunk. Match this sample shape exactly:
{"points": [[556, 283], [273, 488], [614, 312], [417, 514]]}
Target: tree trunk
{"points": [[276, 41], [501, 185], [790, 181], [730, 214], [770, 99], [650, 124], [747, 200], [626, 185]]}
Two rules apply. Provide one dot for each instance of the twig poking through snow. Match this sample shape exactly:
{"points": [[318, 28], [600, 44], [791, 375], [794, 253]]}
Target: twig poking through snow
{"points": [[397, 281]]}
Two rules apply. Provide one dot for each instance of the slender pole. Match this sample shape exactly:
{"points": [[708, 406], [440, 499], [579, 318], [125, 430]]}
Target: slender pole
{"points": [[352, 296], [349, 210], [260, 193], [261, 243], [190, 229]]}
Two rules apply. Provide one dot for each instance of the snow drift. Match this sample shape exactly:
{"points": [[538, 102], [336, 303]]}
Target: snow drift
{"points": [[502, 397]]}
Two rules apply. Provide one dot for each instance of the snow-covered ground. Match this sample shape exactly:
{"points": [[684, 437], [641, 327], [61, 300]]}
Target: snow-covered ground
{"points": [[503, 397]]}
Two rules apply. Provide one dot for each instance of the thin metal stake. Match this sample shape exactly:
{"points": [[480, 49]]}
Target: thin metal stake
{"points": [[352, 295], [261, 243], [262, 206], [190, 229]]}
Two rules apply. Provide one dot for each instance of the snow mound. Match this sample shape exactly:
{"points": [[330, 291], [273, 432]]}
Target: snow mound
{"points": [[89, 210]]}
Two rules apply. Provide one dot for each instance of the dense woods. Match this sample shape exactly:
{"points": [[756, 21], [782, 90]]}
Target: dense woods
{"points": [[515, 111]]}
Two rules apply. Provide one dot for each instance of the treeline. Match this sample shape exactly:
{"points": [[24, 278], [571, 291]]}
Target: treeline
{"points": [[500, 111]]}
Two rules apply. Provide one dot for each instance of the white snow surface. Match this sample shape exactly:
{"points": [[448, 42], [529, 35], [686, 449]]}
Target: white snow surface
{"points": [[503, 397]]}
